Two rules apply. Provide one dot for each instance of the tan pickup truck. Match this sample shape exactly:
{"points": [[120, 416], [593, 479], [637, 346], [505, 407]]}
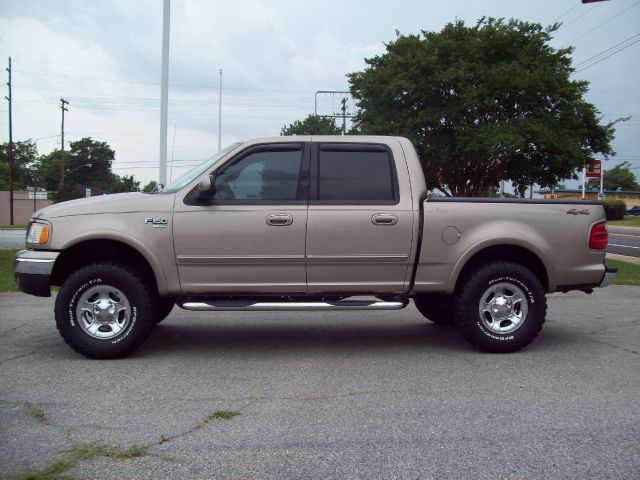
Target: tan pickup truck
{"points": [[309, 223]]}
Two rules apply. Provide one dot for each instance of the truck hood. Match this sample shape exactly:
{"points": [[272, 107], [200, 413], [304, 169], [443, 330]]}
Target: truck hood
{"points": [[115, 203]]}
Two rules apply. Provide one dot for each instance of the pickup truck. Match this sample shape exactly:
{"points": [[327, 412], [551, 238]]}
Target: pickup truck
{"points": [[308, 223]]}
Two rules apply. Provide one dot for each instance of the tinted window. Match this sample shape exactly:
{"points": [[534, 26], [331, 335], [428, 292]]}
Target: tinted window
{"points": [[269, 175], [355, 176]]}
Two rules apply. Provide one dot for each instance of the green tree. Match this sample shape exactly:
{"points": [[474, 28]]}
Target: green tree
{"points": [[121, 184], [619, 177], [87, 162], [482, 104], [312, 125], [24, 155], [150, 187]]}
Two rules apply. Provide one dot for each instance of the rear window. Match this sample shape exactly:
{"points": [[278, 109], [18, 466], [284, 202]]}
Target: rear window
{"points": [[353, 176]]}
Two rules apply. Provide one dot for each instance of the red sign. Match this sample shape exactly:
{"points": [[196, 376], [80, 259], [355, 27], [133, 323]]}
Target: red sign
{"points": [[594, 171]]}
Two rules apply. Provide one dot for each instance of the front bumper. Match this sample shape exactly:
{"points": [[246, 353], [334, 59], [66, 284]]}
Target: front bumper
{"points": [[609, 275], [32, 270]]}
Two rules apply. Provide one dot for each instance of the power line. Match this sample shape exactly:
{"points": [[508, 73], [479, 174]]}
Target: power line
{"points": [[578, 17], [605, 51], [178, 85], [607, 56], [565, 13], [601, 24]]}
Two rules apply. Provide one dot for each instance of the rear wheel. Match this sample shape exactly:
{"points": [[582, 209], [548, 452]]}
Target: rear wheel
{"points": [[436, 308], [105, 310], [500, 307]]}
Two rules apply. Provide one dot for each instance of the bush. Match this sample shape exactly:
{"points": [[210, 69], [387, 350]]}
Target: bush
{"points": [[614, 209]]}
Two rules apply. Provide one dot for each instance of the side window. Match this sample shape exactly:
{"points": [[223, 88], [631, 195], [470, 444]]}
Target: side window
{"points": [[355, 176], [262, 175]]}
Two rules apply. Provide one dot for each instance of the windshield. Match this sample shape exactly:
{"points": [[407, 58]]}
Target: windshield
{"points": [[183, 180]]}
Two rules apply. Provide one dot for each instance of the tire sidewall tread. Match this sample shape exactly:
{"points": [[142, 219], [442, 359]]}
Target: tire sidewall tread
{"points": [[468, 295], [140, 298]]}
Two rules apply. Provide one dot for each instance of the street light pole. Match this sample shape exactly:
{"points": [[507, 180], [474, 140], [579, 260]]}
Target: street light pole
{"points": [[9, 98], [220, 113], [63, 104], [164, 91]]}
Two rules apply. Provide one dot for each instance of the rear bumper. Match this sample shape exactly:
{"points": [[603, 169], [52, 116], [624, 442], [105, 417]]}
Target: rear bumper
{"points": [[609, 275], [32, 270]]}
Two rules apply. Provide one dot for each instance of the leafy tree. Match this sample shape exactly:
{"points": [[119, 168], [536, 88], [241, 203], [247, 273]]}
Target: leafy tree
{"points": [[619, 177], [482, 104], [88, 162], [312, 125], [150, 187], [24, 154], [126, 183]]}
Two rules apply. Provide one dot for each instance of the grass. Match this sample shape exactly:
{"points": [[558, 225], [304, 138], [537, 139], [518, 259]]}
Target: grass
{"points": [[7, 283], [628, 273], [12, 227], [38, 414], [628, 221], [222, 415], [84, 451]]}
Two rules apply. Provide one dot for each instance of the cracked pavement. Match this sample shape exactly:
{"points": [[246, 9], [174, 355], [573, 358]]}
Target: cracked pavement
{"points": [[342, 395]]}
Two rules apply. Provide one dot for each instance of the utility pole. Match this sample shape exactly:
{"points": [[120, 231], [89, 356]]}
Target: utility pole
{"points": [[220, 113], [344, 116], [63, 108], [10, 149], [164, 91]]}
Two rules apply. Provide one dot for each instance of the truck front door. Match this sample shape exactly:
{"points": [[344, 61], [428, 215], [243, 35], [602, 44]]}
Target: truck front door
{"points": [[251, 236]]}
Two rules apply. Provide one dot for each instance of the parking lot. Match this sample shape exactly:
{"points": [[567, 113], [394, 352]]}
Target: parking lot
{"points": [[349, 395]]}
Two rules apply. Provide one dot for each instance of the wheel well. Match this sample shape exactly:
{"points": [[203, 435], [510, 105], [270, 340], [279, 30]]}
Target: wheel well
{"points": [[509, 253], [91, 251]]}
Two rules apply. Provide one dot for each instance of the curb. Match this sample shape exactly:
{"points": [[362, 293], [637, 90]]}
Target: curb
{"points": [[623, 227], [623, 258]]}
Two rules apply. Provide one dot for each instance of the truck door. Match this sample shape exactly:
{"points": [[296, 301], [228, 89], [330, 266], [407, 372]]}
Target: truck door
{"points": [[360, 225], [251, 236]]}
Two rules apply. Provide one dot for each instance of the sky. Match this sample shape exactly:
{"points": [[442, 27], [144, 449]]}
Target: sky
{"points": [[104, 57]]}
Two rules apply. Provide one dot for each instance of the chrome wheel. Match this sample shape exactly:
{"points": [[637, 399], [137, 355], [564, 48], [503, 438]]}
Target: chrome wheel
{"points": [[503, 308], [103, 312]]}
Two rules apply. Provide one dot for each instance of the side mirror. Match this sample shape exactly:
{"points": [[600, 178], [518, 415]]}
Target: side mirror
{"points": [[207, 187]]}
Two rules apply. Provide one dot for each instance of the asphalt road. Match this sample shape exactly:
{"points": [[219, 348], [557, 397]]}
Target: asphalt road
{"points": [[350, 395], [624, 241], [12, 238]]}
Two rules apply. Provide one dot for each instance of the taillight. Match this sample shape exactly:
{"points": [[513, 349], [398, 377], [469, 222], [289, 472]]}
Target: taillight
{"points": [[599, 236]]}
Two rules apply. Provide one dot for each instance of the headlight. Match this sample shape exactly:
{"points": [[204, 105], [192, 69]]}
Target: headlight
{"points": [[38, 234]]}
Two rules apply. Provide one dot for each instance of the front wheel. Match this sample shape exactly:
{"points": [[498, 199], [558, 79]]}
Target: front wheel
{"points": [[500, 307], [105, 310]]}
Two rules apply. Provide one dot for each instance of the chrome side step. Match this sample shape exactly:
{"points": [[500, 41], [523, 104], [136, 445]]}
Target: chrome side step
{"points": [[239, 305]]}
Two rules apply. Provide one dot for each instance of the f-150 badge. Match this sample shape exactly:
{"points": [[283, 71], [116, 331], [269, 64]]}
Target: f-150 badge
{"points": [[157, 222]]}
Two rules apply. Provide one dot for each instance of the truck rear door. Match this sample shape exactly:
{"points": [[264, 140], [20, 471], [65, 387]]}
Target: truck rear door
{"points": [[360, 225]]}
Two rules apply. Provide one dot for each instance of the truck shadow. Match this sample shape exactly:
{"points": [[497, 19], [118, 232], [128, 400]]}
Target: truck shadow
{"points": [[269, 336]]}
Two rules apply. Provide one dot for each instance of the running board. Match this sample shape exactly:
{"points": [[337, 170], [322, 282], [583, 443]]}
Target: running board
{"points": [[239, 305]]}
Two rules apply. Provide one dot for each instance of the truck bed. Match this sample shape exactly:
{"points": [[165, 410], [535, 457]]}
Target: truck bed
{"points": [[551, 233]]}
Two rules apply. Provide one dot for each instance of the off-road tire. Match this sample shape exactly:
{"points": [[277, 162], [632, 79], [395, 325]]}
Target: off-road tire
{"points": [[140, 302], [481, 330], [436, 308]]}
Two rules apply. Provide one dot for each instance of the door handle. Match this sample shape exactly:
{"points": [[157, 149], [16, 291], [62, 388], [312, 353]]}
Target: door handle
{"points": [[279, 220], [384, 219]]}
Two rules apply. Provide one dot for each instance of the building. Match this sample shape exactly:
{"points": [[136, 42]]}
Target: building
{"points": [[23, 206]]}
